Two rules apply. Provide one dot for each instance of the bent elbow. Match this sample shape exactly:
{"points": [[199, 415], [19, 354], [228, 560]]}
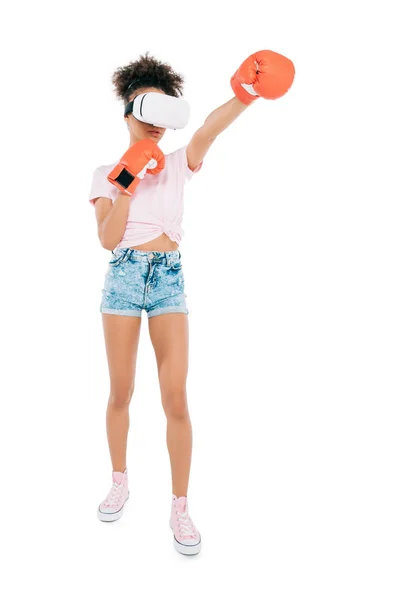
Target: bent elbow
{"points": [[105, 243], [108, 246]]}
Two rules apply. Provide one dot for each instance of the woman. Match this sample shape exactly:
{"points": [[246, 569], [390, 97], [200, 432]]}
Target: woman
{"points": [[145, 272]]}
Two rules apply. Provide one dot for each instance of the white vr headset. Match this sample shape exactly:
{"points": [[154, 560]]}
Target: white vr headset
{"points": [[159, 110]]}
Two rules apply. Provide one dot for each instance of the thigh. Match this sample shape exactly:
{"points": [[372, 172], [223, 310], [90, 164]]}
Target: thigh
{"points": [[124, 286], [121, 334], [166, 290], [169, 334]]}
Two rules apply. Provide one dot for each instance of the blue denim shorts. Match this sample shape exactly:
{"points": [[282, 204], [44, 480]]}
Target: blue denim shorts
{"points": [[137, 280]]}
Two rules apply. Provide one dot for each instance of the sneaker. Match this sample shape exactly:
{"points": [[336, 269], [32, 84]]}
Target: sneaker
{"points": [[112, 507], [187, 539]]}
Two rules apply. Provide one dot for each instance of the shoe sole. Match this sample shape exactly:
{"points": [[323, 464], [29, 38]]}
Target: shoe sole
{"points": [[110, 517], [186, 549]]}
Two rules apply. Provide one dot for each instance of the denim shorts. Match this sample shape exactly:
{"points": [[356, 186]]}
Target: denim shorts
{"points": [[137, 280]]}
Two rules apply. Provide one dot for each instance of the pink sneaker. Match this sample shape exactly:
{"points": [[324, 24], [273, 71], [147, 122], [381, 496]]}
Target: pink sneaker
{"points": [[112, 507], [187, 539]]}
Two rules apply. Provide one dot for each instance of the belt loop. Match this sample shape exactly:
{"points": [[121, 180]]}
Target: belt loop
{"points": [[180, 255], [127, 255]]}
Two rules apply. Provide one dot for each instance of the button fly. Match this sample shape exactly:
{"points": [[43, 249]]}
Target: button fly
{"points": [[151, 255]]}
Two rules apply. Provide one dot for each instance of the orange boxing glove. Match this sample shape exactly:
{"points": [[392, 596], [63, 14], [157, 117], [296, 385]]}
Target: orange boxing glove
{"points": [[266, 74], [141, 158]]}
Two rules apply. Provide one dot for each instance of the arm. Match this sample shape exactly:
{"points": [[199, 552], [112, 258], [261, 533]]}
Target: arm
{"points": [[126, 176], [111, 219], [215, 124], [265, 74]]}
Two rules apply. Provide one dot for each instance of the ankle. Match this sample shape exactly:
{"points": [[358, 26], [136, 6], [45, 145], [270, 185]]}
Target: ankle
{"points": [[118, 470]]}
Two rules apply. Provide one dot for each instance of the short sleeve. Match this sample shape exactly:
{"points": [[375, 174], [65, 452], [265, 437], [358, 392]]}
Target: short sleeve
{"points": [[182, 157], [100, 185]]}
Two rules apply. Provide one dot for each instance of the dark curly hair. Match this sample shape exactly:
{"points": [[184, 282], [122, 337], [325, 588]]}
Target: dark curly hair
{"points": [[147, 71]]}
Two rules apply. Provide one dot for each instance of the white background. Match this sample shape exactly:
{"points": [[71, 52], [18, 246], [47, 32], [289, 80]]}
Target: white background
{"points": [[291, 259]]}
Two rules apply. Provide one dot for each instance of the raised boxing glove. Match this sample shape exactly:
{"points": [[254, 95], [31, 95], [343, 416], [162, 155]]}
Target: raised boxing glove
{"points": [[266, 74], [141, 158]]}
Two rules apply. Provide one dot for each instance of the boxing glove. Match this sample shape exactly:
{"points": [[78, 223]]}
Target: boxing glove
{"points": [[266, 74], [141, 158]]}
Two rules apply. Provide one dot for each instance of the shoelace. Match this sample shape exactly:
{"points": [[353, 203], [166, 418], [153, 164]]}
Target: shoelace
{"points": [[185, 524], [114, 495]]}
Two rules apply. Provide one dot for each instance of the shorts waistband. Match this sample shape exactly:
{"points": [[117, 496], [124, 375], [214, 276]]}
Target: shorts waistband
{"points": [[146, 256]]}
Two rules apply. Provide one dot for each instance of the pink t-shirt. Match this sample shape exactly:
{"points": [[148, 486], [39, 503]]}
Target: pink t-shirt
{"points": [[157, 203]]}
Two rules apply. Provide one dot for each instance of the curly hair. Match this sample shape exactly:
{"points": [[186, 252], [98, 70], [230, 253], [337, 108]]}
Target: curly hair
{"points": [[147, 71]]}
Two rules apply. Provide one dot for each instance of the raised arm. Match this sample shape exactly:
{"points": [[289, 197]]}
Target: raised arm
{"points": [[265, 74], [215, 123]]}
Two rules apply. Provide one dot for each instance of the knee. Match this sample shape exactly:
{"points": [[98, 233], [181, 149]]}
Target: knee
{"points": [[120, 395], [175, 404]]}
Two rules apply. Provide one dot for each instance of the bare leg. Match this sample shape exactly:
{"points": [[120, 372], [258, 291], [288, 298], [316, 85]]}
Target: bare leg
{"points": [[169, 334], [121, 335]]}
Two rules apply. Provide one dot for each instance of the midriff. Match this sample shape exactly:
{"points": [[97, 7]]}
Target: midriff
{"points": [[161, 244]]}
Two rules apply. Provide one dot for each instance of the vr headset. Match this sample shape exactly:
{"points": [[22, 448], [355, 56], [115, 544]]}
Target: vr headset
{"points": [[159, 110]]}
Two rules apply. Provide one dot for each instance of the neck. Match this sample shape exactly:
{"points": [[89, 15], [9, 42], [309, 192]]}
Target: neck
{"points": [[133, 140]]}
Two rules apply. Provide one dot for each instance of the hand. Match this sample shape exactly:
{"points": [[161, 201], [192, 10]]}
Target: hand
{"points": [[141, 158], [266, 74]]}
